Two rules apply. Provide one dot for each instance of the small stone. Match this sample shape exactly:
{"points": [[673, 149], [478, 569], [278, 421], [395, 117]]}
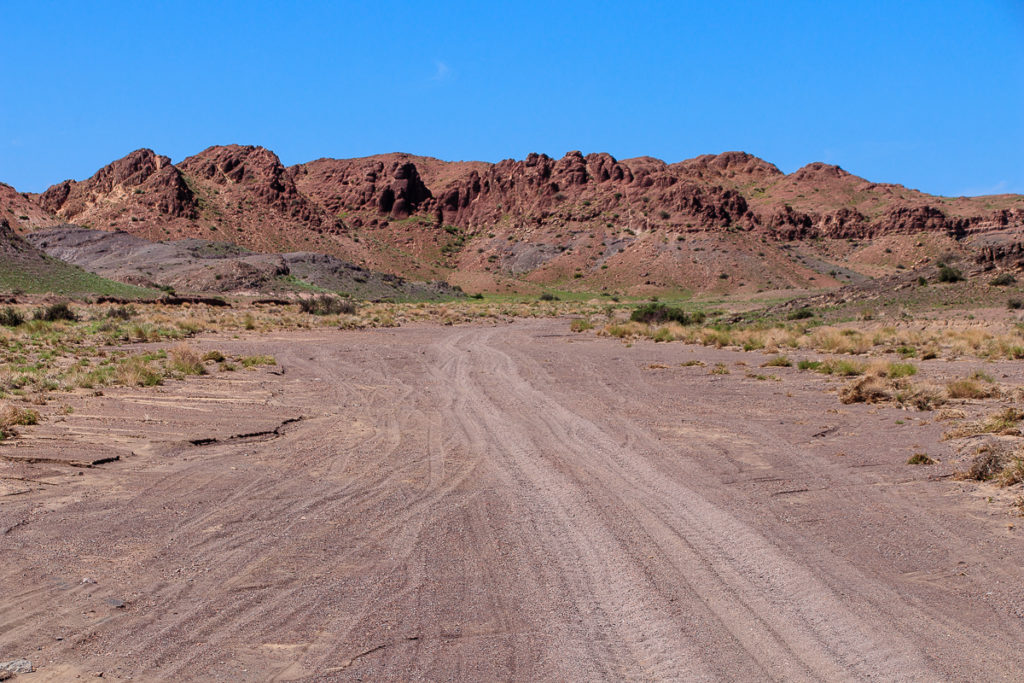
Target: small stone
{"points": [[86, 579], [115, 603], [16, 666]]}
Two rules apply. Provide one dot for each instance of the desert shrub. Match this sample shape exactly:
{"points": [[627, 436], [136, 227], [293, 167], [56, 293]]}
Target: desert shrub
{"points": [[920, 459], [186, 360], [215, 356], [968, 388], [833, 340], [777, 362], [249, 322], [922, 398], [720, 369], [983, 376], [870, 389], [907, 351], [9, 317], [801, 314], [581, 325], [1003, 280], [12, 416], [1012, 472], [253, 361], [692, 363], [660, 313], [663, 334], [949, 274], [898, 370], [989, 460], [808, 364], [1014, 304], [126, 312], [136, 372], [1005, 422], [54, 312], [548, 296], [325, 304], [842, 368]]}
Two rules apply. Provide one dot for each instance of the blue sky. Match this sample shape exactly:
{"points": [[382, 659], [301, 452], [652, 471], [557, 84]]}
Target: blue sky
{"points": [[927, 94]]}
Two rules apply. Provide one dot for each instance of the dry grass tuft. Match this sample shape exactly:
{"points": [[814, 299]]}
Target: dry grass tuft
{"points": [[1004, 423], [994, 462], [970, 388], [185, 360], [137, 372], [12, 416], [867, 389]]}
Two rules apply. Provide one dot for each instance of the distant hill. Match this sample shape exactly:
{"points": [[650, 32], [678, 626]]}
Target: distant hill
{"points": [[204, 266], [721, 223], [23, 268]]}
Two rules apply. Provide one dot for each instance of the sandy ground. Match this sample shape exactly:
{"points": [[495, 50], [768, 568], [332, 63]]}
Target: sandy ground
{"points": [[505, 502]]}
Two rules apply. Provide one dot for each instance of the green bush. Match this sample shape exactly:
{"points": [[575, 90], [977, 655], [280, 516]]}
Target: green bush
{"points": [[325, 304], [801, 314], [949, 274], [57, 311], [898, 370], [9, 317], [122, 312], [660, 313], [1003, 280]]}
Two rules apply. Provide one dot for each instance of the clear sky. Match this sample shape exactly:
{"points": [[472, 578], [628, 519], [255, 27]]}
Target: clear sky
{"points": [[927, 94]]}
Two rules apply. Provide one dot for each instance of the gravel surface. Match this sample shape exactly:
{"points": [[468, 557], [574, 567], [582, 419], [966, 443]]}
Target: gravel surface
{"points": [[511, 502]]}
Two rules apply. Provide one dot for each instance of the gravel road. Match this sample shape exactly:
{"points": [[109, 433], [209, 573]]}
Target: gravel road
{"points": [[513, 503]]}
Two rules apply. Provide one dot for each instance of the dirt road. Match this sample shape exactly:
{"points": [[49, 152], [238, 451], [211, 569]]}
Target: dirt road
{"points": [[509, 503]]}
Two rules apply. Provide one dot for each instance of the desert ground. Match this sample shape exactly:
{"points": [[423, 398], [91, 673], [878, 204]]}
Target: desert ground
{"points": [[503, 501]]}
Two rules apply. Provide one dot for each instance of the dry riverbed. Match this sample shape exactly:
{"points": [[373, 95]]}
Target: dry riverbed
{"points": [[505, 501]]}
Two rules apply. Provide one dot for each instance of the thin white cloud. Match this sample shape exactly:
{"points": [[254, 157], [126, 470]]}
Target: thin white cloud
{"points": [[442, 72]]}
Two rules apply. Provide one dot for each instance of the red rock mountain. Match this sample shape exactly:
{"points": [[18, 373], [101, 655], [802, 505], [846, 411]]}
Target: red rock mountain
{"points": [[713, 222]]}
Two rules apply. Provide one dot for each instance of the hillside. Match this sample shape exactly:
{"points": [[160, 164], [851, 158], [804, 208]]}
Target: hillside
{"points": [[24, 268], [719, 223], [204, 266]]}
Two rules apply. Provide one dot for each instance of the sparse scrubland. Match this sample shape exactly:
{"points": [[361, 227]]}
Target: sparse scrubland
{"points": [[64, 346], [908, 361], [905, 355]]}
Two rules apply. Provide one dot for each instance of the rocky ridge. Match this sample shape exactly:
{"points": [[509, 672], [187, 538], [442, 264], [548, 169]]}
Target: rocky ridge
{"points": [[539, 219]]}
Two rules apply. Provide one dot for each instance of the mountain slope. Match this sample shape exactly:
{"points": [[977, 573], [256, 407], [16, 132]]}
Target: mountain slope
{"points": [[24, 268], [203, 266], [713, 223]]}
